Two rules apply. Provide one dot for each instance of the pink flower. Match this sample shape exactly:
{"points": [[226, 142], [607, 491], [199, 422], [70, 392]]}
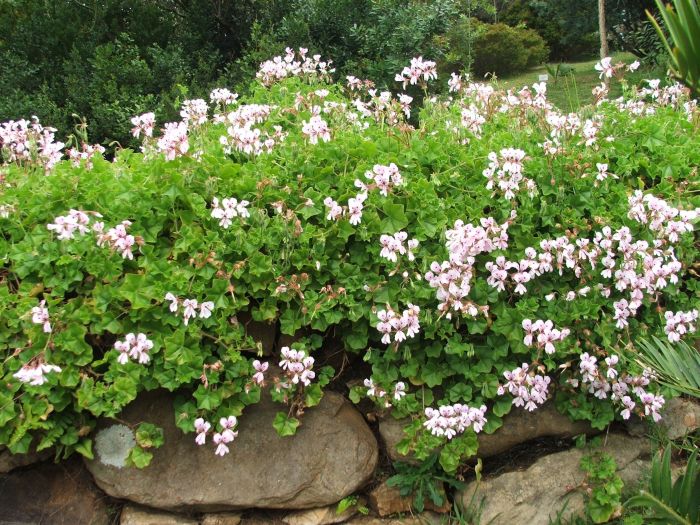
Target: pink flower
{"points": [[201, 427], [40, 315], [220, 440], [174, 301], [35, 372], [143, 124], [205, 309], [260, 369], [190, 309], [316, 128], [605, 68], [419, 71]]}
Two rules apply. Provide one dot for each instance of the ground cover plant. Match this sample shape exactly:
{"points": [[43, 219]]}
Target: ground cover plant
{"points": [[499, 254]]}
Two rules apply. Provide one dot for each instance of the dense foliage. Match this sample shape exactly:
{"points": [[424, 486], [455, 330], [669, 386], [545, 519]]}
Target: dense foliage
{"points": [[106, 60], [497, 255]]}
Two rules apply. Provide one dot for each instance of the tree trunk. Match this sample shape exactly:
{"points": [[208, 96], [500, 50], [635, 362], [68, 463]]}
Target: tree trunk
{"points": [[604, 52], [603, 31]]}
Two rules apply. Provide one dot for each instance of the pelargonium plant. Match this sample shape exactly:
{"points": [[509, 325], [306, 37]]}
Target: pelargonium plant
{"points": [[496, 254]]}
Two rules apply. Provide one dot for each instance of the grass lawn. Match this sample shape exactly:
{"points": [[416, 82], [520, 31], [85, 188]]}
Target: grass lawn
{"points": [[574, 90]]}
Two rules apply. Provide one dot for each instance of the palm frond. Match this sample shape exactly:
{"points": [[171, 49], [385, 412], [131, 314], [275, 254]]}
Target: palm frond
{"points": [[676, 366]]}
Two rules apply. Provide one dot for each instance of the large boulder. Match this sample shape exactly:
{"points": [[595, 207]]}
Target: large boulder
{"points": [[60, 494], [332, 455], [534, 495], [519, 426]]}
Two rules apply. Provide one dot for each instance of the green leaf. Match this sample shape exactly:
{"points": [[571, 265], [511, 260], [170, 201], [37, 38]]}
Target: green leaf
{"points": [[284, 425], [149, 436], [313, 395], [395, 219], [139, 457], [84, 448]]}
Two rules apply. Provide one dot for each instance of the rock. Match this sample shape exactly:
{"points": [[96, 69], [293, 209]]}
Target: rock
{"points": [[59, 494], [424, 518], [386, 500], [519, 426], [10, 461], [333, 454], [321, 516], [533, 495], [680, 417], [221, 518], [135, 515]]}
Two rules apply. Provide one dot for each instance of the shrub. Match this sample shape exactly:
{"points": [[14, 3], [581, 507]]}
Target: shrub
{"points": [[505, 50], [537, 49], [500, 254]]}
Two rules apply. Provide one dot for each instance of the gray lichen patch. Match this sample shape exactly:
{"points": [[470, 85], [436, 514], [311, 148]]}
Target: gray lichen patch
{"points": [[113, 444]]}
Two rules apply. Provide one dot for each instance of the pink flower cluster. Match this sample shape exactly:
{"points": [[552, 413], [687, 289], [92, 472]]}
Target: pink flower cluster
{"points": [[636, 266], [86, 154], [316, 128], [455, 83], [29, 143], [244, 137], [353, 210], [355, 84], [174, 141], [400, 326], [194, 112], [451, 420], [228, 210], [66, 226], [143, 124], [527, 388], [680, 323], [297, 365], [623, 386], [568, 127], [543, 335], [223, 97], [508, 176], [524, 99], [290, 65], [418, 72], [394, 244], [118, 239], [35, 372], [190, 307], [136, 347], [379, 394], [662, 218], [383, 108], [453, 277], [647, 100], [221, 439], [607, 69], [384, 177], [40, 315], [472, 120]]}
